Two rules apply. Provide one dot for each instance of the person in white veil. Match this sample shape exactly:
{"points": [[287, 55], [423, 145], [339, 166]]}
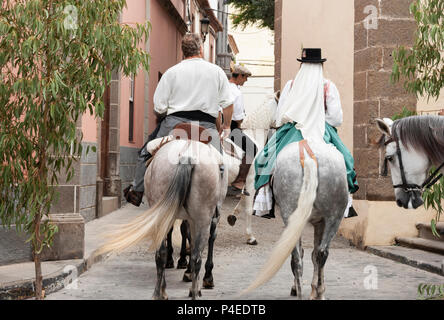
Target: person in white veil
{"points": [[309, 108]]}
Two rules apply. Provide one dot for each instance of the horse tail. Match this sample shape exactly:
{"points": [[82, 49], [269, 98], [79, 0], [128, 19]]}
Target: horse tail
{"points": [[293, 231], [155, 223]]}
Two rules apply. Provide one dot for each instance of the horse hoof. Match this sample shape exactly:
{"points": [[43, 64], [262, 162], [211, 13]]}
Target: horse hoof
{"points": [[187, 277], [208, 284], [199, 294], [252, 242], [161, 297], [169, 264], [231, 220], [182, 264], [293, 292]]}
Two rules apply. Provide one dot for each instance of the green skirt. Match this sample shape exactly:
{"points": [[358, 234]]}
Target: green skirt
{"points": [[287, 134]]}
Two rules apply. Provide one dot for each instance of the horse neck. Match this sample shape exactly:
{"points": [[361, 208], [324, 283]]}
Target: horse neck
{"points": [[424, 134]]}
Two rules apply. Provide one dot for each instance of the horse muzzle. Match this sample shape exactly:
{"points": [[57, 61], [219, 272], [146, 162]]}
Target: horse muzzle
{"points": [[409, 199]]}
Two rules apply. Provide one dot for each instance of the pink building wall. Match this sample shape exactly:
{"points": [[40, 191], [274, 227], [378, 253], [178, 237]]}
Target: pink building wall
{"points": [[89, 127], [164, 49], [134, 13]]}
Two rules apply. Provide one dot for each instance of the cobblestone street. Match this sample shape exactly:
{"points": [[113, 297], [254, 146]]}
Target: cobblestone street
{"points": [[132, 274]]}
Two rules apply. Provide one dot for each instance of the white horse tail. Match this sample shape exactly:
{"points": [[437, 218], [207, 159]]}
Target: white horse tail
{"points": [[154, 225], [292, 233]]}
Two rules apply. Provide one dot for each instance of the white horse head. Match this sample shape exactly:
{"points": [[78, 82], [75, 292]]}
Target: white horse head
{"points": [[412, 146]]}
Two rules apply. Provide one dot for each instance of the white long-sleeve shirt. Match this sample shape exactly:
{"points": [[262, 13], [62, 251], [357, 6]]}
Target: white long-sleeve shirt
{"points": [[193, 85], [333, 114], [238, 104]]}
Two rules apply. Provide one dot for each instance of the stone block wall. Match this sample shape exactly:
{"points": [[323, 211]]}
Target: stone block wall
{"points": [[79, 194], [88, 183], [380, 26], [128, 160]]}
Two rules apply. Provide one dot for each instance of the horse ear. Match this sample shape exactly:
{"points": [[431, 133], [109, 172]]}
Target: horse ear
{"points": [[384, 126]]}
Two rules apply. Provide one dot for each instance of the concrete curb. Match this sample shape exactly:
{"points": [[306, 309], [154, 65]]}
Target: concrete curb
{"points": [[20, 290], [390, 253]]}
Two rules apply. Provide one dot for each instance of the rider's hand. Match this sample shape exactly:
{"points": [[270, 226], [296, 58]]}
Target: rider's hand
{"points": [[225, 133]]}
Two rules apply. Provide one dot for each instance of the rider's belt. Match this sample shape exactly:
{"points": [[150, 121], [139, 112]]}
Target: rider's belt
{"points": [[195, 116], [304, 145]]}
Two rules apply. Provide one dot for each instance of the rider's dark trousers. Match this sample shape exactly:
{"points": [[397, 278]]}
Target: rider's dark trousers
{"points": [[244, 142]]}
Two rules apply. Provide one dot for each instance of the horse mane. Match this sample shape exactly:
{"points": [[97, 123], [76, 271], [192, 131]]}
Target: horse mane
{"points": [[260, 117], [424, 133]]}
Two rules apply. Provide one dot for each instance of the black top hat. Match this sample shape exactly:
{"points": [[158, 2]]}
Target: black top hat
{"points": [[311, 55]]}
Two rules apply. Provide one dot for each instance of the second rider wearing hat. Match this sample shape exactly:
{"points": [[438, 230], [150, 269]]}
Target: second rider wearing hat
{"points": [[239, 76]]}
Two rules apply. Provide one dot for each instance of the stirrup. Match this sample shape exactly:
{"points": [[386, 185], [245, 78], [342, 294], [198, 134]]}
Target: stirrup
{"points": [[236, 191]]}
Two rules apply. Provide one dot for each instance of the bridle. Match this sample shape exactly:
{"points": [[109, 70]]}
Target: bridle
{"points": [[407, 187]]}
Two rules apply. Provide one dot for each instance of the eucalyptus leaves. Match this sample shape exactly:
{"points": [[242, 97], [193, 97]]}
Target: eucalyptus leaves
{"points": [[423, 64]]}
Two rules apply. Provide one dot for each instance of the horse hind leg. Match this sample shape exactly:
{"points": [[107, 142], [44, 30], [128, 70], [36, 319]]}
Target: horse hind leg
{"points": [[184, 230], [170, 260], [324, 233], [161, 260], [297, 266], [197, 247], [186, 235], [208, 281]]}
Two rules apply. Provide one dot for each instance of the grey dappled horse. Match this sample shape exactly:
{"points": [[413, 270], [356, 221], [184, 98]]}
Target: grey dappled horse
{"points": [[412, 146], [315, 193], [183, 181]]}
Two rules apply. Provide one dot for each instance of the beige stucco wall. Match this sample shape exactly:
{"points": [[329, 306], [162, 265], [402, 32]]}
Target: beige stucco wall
{"points": [[432, 105], [328, 25], [256, 52], [380, 222]]}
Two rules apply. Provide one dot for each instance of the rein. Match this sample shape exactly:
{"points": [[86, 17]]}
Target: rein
{"points": [[429, 182]]}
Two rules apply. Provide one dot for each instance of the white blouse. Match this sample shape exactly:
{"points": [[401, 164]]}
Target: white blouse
{"points": [[333, 114], [238, 104]]}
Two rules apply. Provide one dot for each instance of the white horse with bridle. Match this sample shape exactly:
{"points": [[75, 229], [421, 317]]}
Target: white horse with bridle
{"points": [[412, 146], [257, 126]]}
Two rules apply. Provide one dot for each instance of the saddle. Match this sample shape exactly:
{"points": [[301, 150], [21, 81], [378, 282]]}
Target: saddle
{"points": [[190, 131], [182, 131]]}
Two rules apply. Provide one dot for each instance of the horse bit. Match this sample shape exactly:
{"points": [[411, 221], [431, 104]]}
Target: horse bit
{"points": [[430, 181]]}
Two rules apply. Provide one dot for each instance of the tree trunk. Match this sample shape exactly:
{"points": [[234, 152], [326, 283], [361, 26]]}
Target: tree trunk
{"points": [[38, 277], [37, 262]]}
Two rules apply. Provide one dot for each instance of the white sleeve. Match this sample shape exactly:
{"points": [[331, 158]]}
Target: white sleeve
{"points": [[284, 95], [272, 104], [239, 111], [161, 95], [333, 115], [225, 97]]}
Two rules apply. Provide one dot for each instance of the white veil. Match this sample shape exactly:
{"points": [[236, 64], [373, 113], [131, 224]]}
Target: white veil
{"points": [[305, 102]]}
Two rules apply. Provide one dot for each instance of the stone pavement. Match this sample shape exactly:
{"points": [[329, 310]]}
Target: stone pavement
{"points": [[350, 273]]}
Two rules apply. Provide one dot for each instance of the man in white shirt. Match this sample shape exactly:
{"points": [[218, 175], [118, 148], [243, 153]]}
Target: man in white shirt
{"points": [[191, 91], [239, 76]]}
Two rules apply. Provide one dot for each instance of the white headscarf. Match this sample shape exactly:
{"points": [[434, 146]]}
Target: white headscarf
{"points": [[305, 102]]}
